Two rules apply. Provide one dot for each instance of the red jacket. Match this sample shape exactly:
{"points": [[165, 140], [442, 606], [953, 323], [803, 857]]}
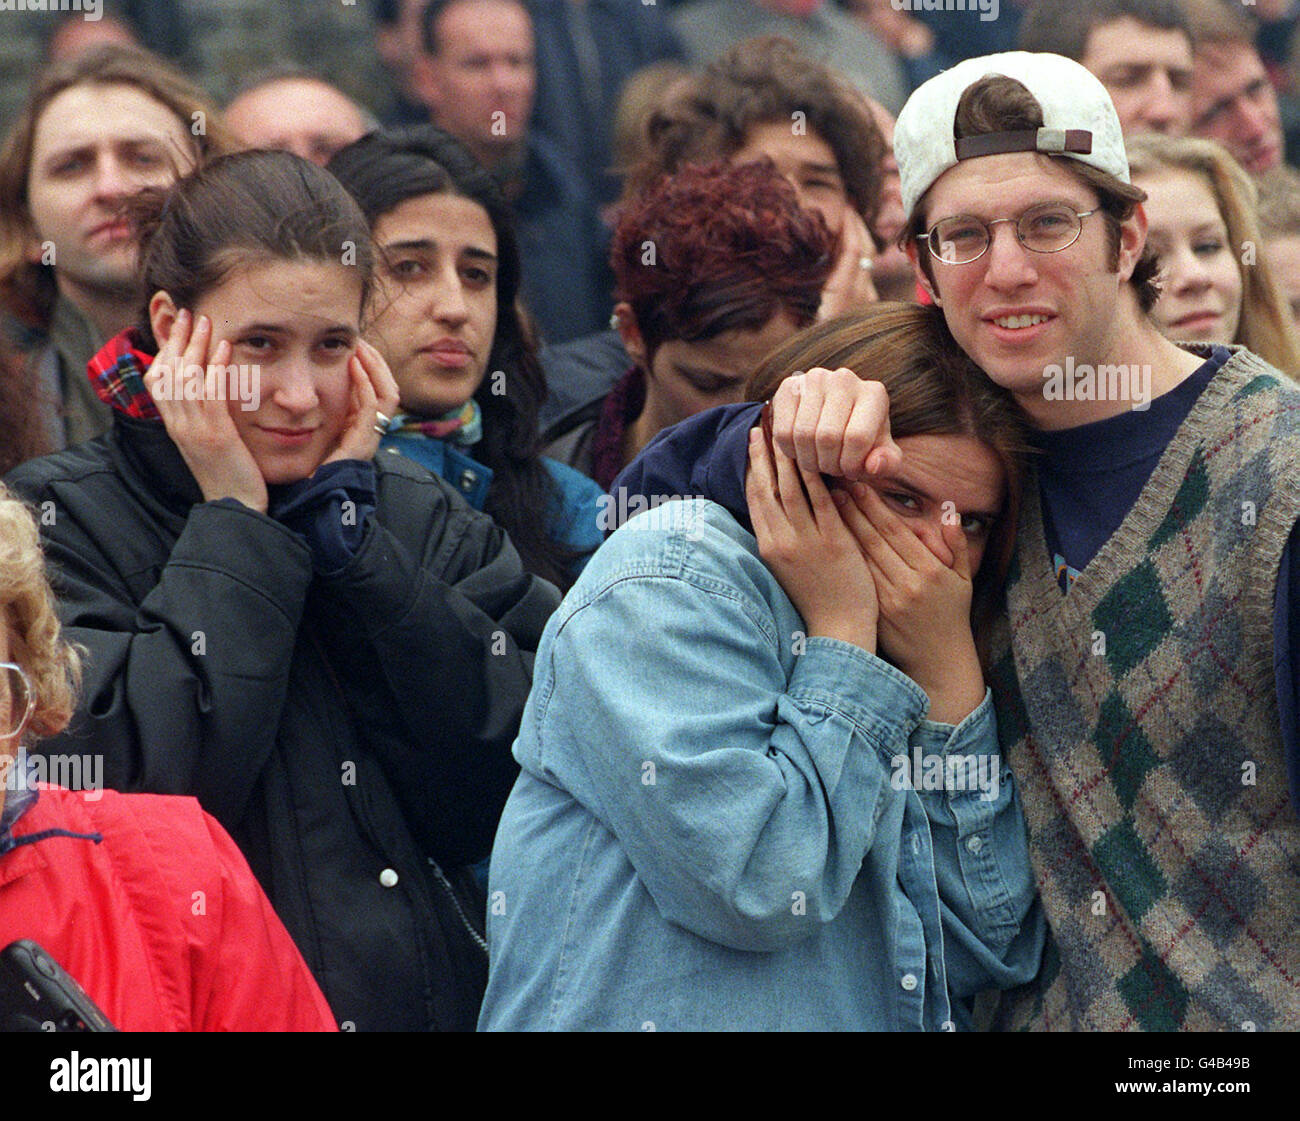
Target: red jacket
{"points": [[161, 922]]}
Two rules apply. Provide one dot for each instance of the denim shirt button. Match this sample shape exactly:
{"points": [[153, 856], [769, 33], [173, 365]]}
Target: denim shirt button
{"points": [[909, 981], [388, 878], [974, 845], [947, 1025]]}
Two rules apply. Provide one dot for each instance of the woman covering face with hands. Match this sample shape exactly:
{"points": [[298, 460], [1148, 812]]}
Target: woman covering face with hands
{"points": [[930, 480], [329, 651], [791, 816]]}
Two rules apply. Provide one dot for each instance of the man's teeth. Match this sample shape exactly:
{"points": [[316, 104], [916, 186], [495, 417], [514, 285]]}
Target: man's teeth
{"points": [[1014, 321]]}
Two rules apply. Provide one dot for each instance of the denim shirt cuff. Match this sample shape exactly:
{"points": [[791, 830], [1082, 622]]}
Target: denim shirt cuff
{"points": [[970, 736], [830, 673]]}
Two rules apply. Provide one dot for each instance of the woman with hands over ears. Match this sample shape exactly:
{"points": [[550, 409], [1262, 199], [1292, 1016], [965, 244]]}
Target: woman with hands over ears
{"points": [[795, 814], [331, 652], [233, 455]]}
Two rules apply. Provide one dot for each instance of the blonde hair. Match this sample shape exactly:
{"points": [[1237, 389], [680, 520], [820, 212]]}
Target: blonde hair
{"points": [[53, 666], [1265, 326]]}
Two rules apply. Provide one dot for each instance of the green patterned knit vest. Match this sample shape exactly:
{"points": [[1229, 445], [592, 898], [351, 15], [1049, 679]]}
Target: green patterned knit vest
{"points": [[1139, 715]]}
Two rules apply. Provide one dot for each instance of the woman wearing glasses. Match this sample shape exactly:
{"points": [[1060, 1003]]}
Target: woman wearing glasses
{"points": [[144, 901]]}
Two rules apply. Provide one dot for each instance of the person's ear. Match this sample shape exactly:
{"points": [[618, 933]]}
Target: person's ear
{"points": [[914, 255], [424, 82], [628, 330], [162, 317], [34, 249], [1132, 241]]}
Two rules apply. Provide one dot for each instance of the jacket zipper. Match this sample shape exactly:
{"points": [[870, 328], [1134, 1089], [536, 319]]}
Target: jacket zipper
{"points": [[479, 940], [455, 901]]}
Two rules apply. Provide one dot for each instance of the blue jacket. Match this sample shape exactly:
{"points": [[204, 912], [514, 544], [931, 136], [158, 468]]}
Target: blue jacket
{"points": [[714, 827], [575, 518]]}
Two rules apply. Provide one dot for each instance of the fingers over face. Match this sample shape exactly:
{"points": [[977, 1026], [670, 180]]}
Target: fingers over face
{"points": [[794, 502], [954, 537], [890, 527], [760, 484], [196, 350]]}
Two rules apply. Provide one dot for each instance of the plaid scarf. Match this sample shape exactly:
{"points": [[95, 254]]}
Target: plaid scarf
{"points": [[462, 426], [117, 376]]}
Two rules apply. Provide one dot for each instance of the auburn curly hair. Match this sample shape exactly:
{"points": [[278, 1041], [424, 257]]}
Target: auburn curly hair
{"points": [[718, 248], [53, 666]]}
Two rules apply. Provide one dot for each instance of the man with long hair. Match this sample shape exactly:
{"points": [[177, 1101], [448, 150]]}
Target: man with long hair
{"points": [[94, 130]]}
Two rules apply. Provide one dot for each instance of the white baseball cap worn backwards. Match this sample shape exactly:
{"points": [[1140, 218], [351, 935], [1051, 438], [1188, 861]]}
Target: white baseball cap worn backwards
{"points": [[1079, 120]]}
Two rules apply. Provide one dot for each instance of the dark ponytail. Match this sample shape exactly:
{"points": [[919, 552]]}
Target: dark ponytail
{"points": [[246, 207]]}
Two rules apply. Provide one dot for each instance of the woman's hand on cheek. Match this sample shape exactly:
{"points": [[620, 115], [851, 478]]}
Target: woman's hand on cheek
{"points": [[373, 394], [202, 429], [925, 605], [803, 539]]}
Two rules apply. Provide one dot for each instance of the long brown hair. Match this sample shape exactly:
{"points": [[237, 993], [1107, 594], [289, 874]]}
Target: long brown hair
{"points": [[1265, 325], [27, 290], [934, 390], [22, 402]]}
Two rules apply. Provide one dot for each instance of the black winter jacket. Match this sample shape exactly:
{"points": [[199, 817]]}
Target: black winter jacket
{"points": [[352, 732]]}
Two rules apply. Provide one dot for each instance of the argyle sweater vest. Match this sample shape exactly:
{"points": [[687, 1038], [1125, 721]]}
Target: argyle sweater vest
{"points": [[1139, 715]]}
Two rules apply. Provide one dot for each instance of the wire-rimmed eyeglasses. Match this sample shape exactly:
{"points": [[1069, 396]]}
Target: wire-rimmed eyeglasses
{"points": [[1048, 228], [16, 701]]}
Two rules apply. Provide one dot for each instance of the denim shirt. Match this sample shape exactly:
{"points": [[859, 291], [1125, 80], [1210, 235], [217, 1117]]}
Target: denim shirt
{"points": [[711, 830]]}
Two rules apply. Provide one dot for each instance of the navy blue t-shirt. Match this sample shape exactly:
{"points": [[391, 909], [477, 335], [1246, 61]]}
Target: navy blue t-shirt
{"points": [[1089, 478]]}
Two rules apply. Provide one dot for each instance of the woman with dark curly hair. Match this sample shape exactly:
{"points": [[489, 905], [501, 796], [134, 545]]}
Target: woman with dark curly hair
{"points": [[444, 316]]}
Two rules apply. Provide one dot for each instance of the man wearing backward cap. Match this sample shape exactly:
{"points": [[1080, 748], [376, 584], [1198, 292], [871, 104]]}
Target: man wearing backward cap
{"points": [[1145, 681]]}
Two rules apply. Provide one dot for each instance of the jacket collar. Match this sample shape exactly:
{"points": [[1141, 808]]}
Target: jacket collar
{"points": [[155, 468], [19, 797], [157, 472], [117, 375]]}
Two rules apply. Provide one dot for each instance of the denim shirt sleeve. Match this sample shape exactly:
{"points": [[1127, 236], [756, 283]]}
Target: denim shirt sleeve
{"points": [[734, 783], [993, 925]]}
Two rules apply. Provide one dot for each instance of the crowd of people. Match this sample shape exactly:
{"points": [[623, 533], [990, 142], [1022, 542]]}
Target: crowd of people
{"points": [[739, 514]]}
